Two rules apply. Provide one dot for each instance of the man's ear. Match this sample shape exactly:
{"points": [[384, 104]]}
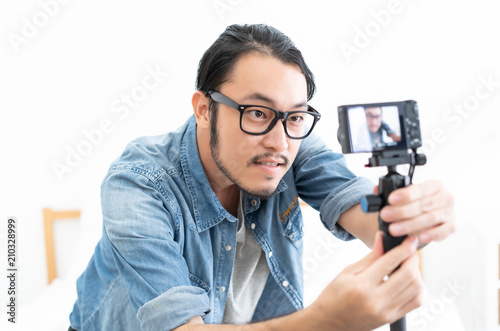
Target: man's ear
{"points": [[201, 109]]}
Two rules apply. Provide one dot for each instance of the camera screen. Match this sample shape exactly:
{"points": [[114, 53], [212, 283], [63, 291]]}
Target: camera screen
{"points": [[374, 128]]}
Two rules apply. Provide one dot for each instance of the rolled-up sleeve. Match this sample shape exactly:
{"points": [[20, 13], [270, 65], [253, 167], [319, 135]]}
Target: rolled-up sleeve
{"points": [[340, 200], [173, 308], [141, 230], [325, 183]]}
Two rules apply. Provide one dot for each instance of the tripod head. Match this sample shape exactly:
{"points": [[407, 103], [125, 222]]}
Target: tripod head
{"points": [[392, 158], [389, 183]]}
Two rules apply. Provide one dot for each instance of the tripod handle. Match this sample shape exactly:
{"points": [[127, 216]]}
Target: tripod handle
{"points": [[388, 240], [370, 203], [399, 325], [387, 184]]}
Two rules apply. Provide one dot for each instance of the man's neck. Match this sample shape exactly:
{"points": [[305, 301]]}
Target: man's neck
{"points": [[230, 199]]}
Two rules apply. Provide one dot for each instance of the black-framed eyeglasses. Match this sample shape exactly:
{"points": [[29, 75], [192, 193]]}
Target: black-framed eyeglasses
{"points": [[257, 120]]}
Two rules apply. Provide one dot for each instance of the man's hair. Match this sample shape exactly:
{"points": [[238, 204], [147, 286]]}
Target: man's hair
{"points": [[219, 60], [217, 63], [381, 110]]}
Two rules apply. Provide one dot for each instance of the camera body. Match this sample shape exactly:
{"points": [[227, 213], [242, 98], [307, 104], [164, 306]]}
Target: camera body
{"points": [[379, 127]]}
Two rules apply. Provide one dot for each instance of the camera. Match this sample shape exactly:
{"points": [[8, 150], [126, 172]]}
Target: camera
{"points": [[377, 127]]}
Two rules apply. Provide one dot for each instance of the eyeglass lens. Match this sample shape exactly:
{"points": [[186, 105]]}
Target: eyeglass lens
{"points": [[258, 119]]}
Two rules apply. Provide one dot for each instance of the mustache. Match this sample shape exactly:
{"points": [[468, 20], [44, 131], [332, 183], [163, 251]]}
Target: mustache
{"points": [[283, 159]]}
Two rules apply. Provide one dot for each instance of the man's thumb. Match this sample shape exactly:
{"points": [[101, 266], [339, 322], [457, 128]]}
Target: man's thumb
{"points": [[378, 246]]}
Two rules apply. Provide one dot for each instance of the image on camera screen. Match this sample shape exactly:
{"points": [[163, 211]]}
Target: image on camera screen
{"points": [[373, 128]]}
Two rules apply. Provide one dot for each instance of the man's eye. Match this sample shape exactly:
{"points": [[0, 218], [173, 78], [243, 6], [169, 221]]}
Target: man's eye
{"points": [[296, 118], [256, 113]]}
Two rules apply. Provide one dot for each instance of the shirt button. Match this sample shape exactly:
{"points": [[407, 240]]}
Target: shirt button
{"points": [[285, 283], [252, 226], [270, 254], [223, 289], [254, 202], [228, 248]]}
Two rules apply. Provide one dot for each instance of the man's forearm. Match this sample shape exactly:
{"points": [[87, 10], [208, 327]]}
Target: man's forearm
{"points": [[361, 225]]}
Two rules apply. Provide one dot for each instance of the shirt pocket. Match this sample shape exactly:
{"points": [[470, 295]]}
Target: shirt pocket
{"points": [[294, 225], [195, 281]]}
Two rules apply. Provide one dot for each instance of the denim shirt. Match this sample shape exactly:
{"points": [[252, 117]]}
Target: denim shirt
{"points": [[162, 258]]}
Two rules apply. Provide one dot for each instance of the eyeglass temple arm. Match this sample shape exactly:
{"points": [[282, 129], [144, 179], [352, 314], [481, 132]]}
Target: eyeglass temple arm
{"points": [[312, 110], [216, 96]]}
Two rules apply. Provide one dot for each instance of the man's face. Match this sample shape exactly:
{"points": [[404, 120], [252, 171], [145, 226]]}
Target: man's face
{"points": [[256, 164], [373, 118]]}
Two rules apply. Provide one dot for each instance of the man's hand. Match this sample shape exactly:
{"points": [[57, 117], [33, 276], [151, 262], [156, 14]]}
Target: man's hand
{"points": [[360, 299], [424, 210]]}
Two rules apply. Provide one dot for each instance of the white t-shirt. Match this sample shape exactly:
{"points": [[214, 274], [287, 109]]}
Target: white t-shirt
{"points": [[250, 273]]}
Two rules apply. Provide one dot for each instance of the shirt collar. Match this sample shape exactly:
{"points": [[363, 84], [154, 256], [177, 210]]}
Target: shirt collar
{"points": [[208, 211]]}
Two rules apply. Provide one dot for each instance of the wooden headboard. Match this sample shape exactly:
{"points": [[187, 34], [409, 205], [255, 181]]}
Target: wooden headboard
{"points": [[49, 217]]}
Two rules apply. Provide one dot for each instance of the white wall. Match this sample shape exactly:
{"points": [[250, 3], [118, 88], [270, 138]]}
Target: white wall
{"points": [[63, 74]]}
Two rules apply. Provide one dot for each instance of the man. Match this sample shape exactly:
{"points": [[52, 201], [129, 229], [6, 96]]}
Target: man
{"points": [[376, 127], [203, 226]]}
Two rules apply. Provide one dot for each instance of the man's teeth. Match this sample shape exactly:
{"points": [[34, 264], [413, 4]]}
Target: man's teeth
{"points": [[269, 164]]}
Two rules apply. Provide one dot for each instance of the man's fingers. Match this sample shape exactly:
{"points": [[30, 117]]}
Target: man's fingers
{"points": [[407, 275], [422, 222], [386, 264], [428, 204], [412, 304], [402, 287], [440, 200], [414, 192], [437, 233]]}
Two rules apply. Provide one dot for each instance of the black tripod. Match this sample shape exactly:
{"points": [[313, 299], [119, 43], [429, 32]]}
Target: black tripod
{"points": [[388, 183]]}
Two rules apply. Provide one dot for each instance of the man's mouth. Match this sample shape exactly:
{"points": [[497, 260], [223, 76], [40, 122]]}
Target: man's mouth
{"points": [[269, 160], [269, 164]]}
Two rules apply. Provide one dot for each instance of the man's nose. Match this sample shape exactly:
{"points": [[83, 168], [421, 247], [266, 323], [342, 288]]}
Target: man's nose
{"points": [[276, 138]]}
